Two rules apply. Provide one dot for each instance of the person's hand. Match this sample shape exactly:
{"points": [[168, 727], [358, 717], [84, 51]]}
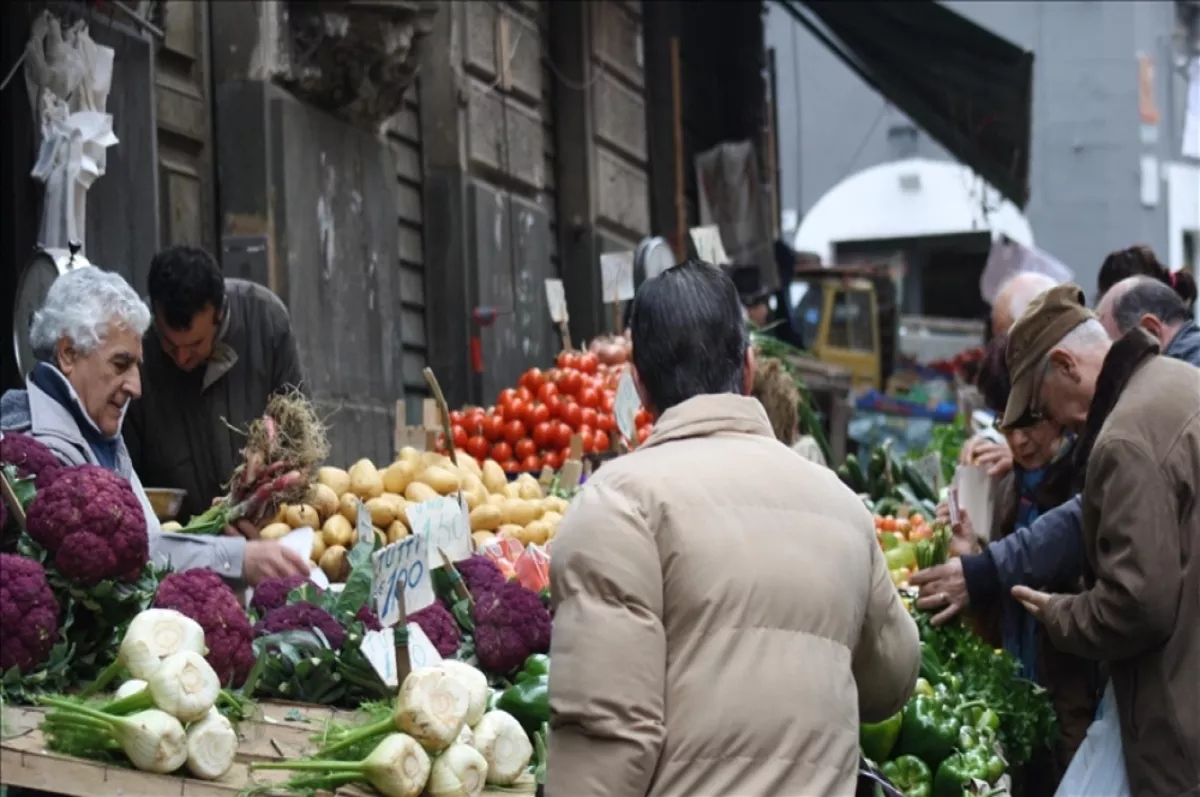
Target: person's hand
{"points": [[242, 528], [265, 559], [1034, 602], [963, 542], [941, 513], [996, 457], [943, 589]]}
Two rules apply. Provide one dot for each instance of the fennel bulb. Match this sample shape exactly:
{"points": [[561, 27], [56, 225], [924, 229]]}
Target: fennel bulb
{"points": [[153, 740], [397, 767], [431, 708], [466, 737], [504, 745], [153, 635], [461, 771], [185, 686], [212, 745], [130, 687], [476, 685]]}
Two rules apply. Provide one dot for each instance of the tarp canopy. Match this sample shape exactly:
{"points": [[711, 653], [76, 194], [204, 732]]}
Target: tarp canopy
{"points": [[970, 89]]}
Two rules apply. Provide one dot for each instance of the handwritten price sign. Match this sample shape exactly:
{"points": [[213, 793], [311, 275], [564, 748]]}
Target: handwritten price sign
{"points": [[421, 652], [444, 522], [403, 565]]}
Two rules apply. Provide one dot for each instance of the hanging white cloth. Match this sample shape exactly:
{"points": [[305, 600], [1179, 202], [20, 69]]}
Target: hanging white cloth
{"points": [[68, 78], [1099, 764]]}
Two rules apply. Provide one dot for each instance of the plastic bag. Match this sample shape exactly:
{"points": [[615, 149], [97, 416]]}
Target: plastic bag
{"points": [[533, 568], [1099, 765]]}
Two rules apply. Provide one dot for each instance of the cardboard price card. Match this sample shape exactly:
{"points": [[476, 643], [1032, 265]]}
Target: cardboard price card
{"points": [[709, 246], [402, 566], [556, 301], [380, 649], [444, 522], [626, 405], [421, 652], [363, 527]]}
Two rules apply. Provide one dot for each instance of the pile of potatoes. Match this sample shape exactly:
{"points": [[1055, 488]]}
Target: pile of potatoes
{"points": [[520, 510]]}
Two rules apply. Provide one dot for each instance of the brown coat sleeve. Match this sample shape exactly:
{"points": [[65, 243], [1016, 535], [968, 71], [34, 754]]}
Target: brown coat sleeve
{"points": [[887, 658], [609, 651], [1133, 603]]}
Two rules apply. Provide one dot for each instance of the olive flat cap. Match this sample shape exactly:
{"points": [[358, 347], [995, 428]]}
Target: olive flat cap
{"points": [[1046, 321]]}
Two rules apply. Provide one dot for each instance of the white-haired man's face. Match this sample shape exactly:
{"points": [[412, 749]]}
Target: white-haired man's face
{"points": [[107, 377]]}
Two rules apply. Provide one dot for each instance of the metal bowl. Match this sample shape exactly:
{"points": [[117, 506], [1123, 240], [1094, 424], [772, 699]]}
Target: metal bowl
{"points": [[165, 502]]}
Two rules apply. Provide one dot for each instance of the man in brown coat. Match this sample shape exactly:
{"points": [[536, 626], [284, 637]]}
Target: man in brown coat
{"points": [[1139, 415], [723, 614]]}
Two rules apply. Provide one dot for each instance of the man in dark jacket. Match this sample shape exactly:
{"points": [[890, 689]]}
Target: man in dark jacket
{"points": [[217, 351], [1138, 414], [1155, 307]]}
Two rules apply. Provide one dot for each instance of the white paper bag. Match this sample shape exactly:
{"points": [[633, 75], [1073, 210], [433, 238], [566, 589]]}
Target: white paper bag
{"points": [[1099, 765], [974, 489]]}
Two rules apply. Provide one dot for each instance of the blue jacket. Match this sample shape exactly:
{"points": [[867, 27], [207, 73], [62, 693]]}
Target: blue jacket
{"points": [[1049, 553]]}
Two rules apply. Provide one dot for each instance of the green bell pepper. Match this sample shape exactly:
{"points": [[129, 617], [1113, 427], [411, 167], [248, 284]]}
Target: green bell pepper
{"points": [[930, 729], [955, 774], [877, 739], [902, 555], [910, 775], [528, 701]]}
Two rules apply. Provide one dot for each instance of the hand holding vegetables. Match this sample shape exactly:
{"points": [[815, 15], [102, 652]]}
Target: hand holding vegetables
{"points": [[265, 559], [943, 589]]}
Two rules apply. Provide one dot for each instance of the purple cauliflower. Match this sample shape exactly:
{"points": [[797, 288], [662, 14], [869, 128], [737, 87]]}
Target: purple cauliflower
{"points": [[28, 614], [302, 616], [27, 455], [92, 524], [271, 593], [510, 624], [441, 628], [480, 574], [368, 618], [201, 595]]}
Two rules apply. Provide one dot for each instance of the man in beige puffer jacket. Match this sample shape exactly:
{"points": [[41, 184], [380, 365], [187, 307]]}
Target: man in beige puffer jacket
{"points": [[724, 618]]}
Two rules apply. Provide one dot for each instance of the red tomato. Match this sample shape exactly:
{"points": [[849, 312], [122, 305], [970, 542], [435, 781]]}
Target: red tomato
{"points": [[511, 466], [459, 436], [493, 427], [589, 397], [513, 431], [588, 440], [502, 451], [552, 376], [588, 363], [590, 416], [524, 448], [457, 416], [607, 401], [540, 413], [506, 396], [477, 447], [572, 383], [605, 423], [531, 464], [525, 394], [601, 441], [547, 393], [515, 410], [642, 434], [556, 406], [562, 435], [642, 418], [554, 459], [568, 360], [573, 415], [532, 379], [543, 435]]}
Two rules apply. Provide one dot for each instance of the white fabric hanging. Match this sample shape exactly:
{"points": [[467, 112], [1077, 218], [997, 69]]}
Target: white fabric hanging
{"points": [[1099, 764], [68, 78]]}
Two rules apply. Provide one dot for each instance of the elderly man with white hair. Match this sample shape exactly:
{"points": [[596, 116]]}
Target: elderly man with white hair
{"points": [[87, 337]]}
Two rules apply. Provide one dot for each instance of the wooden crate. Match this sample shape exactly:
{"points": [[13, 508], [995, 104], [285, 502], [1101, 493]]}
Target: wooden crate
{"points": [[284, 731]]}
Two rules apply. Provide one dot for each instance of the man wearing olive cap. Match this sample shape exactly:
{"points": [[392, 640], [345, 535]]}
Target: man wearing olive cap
{"points": [[1138, 414]]}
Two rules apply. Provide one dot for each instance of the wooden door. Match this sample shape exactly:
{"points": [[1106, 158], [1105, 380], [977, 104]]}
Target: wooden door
{"points": [[183, 105]]}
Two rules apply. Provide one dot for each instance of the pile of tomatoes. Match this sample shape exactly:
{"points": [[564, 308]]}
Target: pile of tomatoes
{"points": [[531, 425]]}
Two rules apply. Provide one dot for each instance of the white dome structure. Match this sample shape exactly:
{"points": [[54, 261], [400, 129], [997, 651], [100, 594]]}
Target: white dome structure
{"points": [[910, 198]]}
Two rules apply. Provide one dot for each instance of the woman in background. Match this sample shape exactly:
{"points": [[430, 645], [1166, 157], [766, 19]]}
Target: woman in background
{"points": [[1141, 261], [776, 390]]}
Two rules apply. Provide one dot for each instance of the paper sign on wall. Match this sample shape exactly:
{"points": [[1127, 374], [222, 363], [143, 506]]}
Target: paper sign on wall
{"points": [[709, 248], [444, 521], [626, 405], [616, 276], [421, 652], [405, 565], [556, 301]]}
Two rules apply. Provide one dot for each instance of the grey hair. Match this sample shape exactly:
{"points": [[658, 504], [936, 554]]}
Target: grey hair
{"points": [[1146, 296], [1026, 286], [80, 306]]}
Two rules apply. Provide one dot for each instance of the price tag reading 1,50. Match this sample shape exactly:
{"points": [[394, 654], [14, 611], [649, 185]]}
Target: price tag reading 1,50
{"points": [[445, 523], [401, 565]]}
